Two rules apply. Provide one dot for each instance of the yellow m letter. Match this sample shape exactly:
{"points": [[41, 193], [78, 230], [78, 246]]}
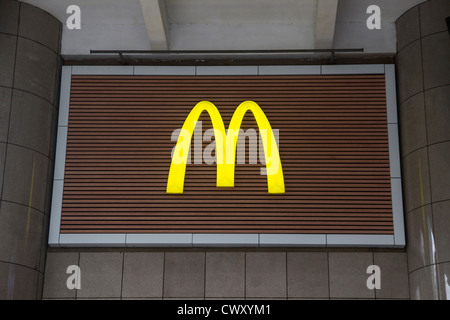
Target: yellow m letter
{"points": [[226, 143]]}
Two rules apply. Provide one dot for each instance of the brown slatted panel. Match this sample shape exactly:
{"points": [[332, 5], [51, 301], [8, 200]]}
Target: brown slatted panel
{"points": [[333, 146]]}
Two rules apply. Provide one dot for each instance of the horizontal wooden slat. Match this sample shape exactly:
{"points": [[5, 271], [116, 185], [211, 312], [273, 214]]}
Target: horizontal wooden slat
{"points": [[332, 138]]}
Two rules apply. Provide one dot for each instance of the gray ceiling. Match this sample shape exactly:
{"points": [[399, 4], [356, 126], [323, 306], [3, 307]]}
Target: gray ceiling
{"points": [[226, 25]]}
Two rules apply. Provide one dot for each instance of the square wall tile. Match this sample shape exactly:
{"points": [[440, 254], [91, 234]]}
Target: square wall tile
{"points": [[36, 69], [225, 275], [348, 275], [40, 26], [423, 283], [31, 122], [9, 16], [5, 108], [19, 282], [25, 177], [101, 274], [432, 16], [408, 30], [439, 155], [143, 275], [2, 163], [184, 275], [444, 281], [307, 274], [265, 275], [7, 58], [416, 180], [420, 238], [394, 275], [55, 276], [441, 222], [409, 71], [21, 235], [437, 106], [436, 60], [413, 129]]}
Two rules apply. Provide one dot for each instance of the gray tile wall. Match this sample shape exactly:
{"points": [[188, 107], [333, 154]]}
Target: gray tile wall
{"points": [[29, 82], [423, 69], [225, 274]]}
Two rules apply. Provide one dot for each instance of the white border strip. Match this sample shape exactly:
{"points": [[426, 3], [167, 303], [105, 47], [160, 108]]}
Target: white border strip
{"points": [[60, 157], [159, 240], [397, 211], [103, 70], [292, 240], [92, 240], [225, 240], [360, 240], [165, 70], [201, 240], [353, 69], [288, 70], [228, 240], [64, 98], [226, 70], [394, 156], [391, 94]]}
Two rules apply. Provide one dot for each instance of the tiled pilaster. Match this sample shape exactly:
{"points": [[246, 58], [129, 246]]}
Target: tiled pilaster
{"points": [[423, 68]]}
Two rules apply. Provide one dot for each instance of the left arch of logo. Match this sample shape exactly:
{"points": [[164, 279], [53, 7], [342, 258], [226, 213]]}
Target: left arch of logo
{"points": [[226, 144]]}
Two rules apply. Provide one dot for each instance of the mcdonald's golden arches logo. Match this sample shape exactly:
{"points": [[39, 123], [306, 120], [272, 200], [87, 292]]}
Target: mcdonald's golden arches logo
{"points": [[226, 144]]}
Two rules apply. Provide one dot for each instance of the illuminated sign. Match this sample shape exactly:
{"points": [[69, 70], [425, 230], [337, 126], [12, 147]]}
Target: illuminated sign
{"points": [[129, 142], [226, 144]]}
